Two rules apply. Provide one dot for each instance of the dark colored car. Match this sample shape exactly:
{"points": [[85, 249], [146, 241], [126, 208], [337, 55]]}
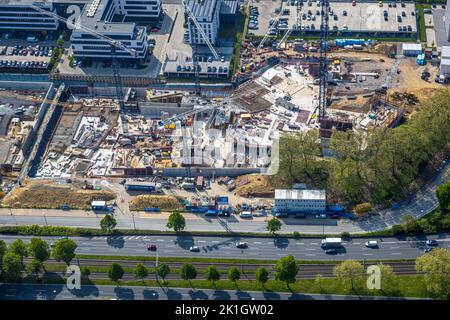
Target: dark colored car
{"points": [[330, 251], [151, 247], [241, 245], [431, 243]]}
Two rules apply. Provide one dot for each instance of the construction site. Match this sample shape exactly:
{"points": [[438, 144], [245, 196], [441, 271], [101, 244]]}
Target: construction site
{"points": [[179, 134]]}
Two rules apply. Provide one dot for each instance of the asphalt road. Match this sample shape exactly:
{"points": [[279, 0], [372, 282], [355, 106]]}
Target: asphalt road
{"points": [[60, 292], [258, 248]]}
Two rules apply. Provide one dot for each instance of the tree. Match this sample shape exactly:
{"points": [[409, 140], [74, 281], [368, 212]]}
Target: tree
{"points": [[362, 208], [12, 266], [443, 195], [85, 271], [410, 225], [3, 250], [234, 274], [108, 223], [349, 271], [19, 247], [273, 225], [39, 249], [64, 250], [60, 42], [318, 282], [140, 271], [35, 267], [176, 222], [188, 272], [115, 272], [286, 270], [212, 274], [436, 268], [388, 278], [163, 270], [262, 275]]}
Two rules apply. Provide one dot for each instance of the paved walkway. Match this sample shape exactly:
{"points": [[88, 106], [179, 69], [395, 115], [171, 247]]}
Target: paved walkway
{"points": [[60, 292]]}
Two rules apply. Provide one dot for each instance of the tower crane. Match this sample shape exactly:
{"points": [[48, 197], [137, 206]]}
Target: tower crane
{"points": [[115, 45], [323, 60], [208, 43]]}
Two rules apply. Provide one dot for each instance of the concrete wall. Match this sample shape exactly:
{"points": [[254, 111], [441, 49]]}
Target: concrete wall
{"points": [[209, 172]]}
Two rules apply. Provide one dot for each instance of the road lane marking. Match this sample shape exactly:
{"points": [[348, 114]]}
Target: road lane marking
{"points": [[257, 242], [310, 254], [395, 247], [395, 253], [299, 243], [367, 254]]}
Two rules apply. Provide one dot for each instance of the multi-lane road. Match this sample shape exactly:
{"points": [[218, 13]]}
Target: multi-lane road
{"points": [[258, 248]]}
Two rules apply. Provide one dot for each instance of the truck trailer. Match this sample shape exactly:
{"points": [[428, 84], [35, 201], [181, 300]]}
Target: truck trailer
{"points": [[331, 243]]}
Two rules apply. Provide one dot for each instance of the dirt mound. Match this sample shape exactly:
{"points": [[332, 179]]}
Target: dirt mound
{"points": [[164, 202], [254, 186], [51, 195]]}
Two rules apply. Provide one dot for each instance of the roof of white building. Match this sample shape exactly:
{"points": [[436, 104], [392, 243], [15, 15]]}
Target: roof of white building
{"points": [[98, 203], [290, 194], [445, 62], [445, 52], [412, 47]]}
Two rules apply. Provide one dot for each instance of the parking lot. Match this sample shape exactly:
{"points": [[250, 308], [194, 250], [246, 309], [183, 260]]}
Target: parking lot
{"points": [[150, 68], [369, 17], [25, 57]]}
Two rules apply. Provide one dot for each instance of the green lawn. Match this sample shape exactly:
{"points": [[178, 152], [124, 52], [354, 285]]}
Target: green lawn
{"points": [[422, 32]]}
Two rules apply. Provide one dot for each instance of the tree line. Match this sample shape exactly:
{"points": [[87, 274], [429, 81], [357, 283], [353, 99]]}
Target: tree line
{"points": [[376, 166]]}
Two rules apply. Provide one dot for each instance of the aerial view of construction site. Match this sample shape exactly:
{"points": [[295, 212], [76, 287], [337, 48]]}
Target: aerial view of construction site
{"points": [[244, 149]]}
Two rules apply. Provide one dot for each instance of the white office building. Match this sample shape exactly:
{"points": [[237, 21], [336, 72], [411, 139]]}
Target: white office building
{"points": [[445, 62], [139, 9], [300, 201], [207, 13], [18, 15], [447, 20], [97, 16]]}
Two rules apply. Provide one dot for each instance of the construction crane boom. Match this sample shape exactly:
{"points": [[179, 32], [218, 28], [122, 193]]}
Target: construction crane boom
{"points": [[323, 60], [200, 29]]}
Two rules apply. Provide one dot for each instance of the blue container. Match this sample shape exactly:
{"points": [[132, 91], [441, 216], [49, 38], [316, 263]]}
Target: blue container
{"points": [[152, 209]]}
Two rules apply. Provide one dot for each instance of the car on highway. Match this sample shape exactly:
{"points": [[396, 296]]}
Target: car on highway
{"points": [[151, 247], [431, 243], [429, 249], [371, 244], [330, 251], [194, 249], [321, 216], [241, 245]]}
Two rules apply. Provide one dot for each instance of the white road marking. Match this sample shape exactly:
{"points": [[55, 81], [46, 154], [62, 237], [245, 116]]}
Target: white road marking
{"points": [[395, 247], [257, 242], [299, 243], [395, 253], [367, 254]]}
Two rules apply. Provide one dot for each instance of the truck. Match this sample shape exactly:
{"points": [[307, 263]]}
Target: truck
{"points": [[331, 243]]}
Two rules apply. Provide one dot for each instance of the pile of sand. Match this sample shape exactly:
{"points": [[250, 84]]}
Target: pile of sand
{"points": [[51, 195], [164, 202], [254, 185]]}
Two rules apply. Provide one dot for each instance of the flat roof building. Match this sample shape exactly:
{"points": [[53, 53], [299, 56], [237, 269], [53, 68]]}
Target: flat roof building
{"points": [[98, 16], [300, 201], [18, 15], [411, 49], [207, 13]]}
